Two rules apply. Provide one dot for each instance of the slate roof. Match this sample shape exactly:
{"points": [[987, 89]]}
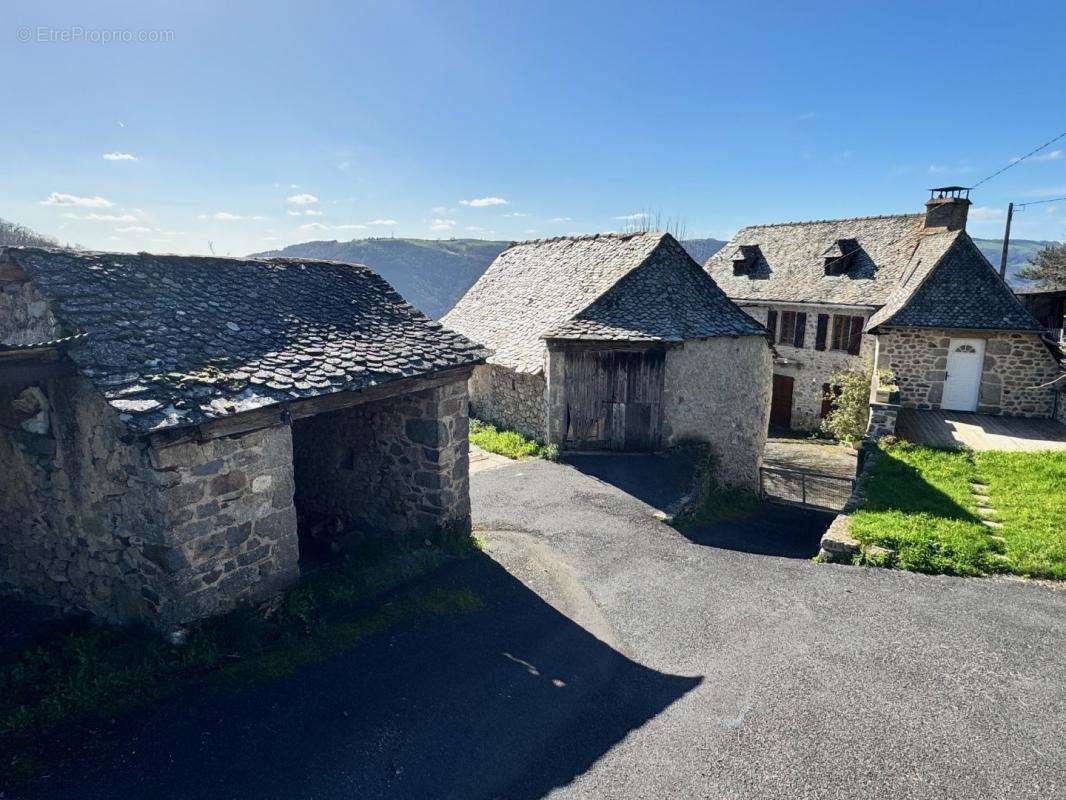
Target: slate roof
{"points": [[177, 340], [952, 285], [624, 287], [792, 263]]}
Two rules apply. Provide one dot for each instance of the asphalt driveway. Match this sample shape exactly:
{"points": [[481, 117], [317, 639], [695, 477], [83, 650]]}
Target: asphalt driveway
{"points": [[617, 658]]}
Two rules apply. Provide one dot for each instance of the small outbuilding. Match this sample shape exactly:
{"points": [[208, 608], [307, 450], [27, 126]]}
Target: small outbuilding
{"points": [[618, 342], [177, 433]]}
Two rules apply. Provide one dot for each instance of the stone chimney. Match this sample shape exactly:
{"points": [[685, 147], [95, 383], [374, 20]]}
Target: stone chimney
{"points": [[946, 208]]}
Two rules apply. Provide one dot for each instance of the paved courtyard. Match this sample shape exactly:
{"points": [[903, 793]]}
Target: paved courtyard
{"points": [[617, 658], [980, 431]]}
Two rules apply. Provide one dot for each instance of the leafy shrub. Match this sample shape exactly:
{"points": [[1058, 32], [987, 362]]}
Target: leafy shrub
{"points": [[849, 399]]}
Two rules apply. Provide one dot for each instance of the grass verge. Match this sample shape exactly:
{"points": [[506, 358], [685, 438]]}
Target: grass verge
{"points": [[711, 502], [88, 670], [509, 443], [919, 502]]}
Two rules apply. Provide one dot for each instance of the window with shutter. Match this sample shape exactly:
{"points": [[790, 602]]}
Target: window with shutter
{"points": [[841, 327], [856, 336], [801, 329], [788, 328], [822, 332], [771, 323]]}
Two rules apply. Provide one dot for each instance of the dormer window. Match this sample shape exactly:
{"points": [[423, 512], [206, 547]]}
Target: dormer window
{"points": [[744, 258], [838, 256]]}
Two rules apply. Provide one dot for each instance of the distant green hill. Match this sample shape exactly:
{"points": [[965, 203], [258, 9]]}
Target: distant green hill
{"points": [[431, 274], [1018, 255]]}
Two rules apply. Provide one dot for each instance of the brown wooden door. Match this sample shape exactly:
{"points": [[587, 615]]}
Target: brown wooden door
{"points": [[781, 402], [614, 399]]}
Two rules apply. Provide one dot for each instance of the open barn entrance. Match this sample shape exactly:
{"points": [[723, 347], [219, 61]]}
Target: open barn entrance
{"points": [[393, 467]]}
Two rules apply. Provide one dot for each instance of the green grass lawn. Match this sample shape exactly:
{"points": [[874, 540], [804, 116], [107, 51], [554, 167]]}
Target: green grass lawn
{"points": [[919, 502], [509, 443]]}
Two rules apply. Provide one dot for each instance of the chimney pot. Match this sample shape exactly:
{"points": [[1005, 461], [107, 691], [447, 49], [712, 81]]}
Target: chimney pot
{"points": [[947, 208]]}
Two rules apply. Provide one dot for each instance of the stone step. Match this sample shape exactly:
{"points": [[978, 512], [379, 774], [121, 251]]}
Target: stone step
{"points": [[991, 523]]}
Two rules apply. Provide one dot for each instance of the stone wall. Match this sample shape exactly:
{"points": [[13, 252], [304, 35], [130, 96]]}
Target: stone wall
{"points": [[718, 391], [883, 417], [99, 521], [25, 317], [396, 467], [229, 523], [510, 399], [1014, 365], [812, 368]]}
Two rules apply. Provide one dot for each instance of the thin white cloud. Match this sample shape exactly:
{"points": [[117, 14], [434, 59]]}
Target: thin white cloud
{"points": [[441, 224], [303, 199], [516, 214], [566, 219], [103, 217], [60, 199], [350, 227], [293, 213], [311, 212], [440, 211], [629, 217], [116, 156], [133, 229], [226, 216], [481, 202], [314, 226], [806, 115], [476, 229], [985, 214], [382, 222], [530, 230], [1050, 155]]}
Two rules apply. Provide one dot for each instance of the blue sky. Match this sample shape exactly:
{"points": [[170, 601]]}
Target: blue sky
{"points": [[255, 125]]}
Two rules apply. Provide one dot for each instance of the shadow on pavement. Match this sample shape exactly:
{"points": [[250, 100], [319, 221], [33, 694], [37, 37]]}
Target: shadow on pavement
{"points": [[773, 530], [657, 479], [510, 701]]}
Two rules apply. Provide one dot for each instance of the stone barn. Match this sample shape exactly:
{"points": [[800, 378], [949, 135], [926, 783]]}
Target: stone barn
{"points": [[177, 433], [617, 342]]}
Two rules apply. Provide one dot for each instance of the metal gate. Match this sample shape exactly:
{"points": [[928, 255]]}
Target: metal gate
{"points": [[803, 487]]}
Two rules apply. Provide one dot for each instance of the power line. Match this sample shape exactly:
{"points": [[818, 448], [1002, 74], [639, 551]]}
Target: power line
{"points": [[1038, 202], [1018, 161]]}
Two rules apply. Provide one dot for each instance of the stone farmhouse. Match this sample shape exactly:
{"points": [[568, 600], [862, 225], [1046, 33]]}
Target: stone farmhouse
{"points": [[911, 293], [176, 433], [617, 342]]}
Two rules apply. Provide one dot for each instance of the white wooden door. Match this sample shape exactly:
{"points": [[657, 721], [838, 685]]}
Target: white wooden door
{"points": [[963, 384]]}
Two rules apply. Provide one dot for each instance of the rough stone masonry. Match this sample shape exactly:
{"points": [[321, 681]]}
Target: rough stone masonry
{"points": [[167, 424]]}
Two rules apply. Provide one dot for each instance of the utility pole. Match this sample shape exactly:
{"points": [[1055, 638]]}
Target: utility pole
{"points": [[1006, 243]]}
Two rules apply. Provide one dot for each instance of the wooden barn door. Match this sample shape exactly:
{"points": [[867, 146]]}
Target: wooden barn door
{"points": [[614, 399]]}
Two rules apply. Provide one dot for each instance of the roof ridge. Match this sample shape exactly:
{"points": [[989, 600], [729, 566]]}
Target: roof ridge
{"points": [[581, 237], [824, 221], [185, 257]]}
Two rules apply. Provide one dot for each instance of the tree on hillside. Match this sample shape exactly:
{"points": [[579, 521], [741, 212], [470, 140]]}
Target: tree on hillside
{"points": [[14, 235], [1048, 267]]}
